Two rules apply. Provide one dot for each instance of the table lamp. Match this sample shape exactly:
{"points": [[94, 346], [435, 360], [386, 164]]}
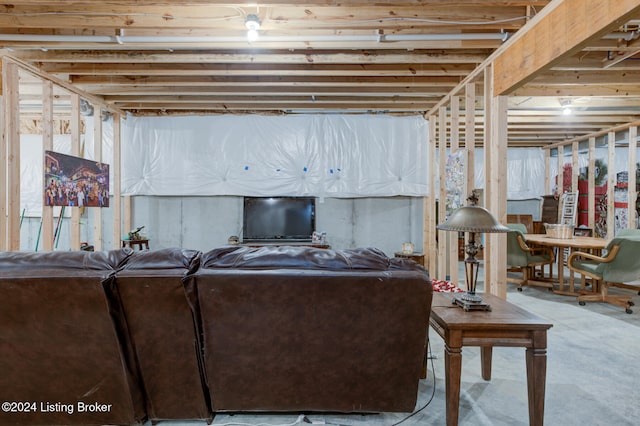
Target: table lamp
{"points": [[474, 220]]}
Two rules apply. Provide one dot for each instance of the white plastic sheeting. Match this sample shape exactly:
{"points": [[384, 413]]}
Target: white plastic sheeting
{"points": [[524, 170], [316, 155]]}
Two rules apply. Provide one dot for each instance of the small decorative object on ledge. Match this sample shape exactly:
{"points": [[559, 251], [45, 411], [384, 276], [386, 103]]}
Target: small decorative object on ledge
{"points": [[135, 234], [472, 219], [407, 248]]}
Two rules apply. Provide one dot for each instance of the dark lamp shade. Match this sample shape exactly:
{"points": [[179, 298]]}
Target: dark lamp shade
{"points": [[472, 219]]}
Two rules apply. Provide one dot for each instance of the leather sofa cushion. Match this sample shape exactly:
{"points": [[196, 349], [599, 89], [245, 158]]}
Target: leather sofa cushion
{"points": [[68, 260], [163, 260], [285, 257]]}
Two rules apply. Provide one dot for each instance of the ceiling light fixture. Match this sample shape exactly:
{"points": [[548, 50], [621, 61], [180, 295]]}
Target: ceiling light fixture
{"points": [[253, 25], [566, 107]]}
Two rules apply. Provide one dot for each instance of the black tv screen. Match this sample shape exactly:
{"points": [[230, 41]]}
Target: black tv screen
{"points": [[274, 219]]}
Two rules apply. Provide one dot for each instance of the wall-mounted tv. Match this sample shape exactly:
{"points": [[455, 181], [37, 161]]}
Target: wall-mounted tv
{"points": [[278, 219]]}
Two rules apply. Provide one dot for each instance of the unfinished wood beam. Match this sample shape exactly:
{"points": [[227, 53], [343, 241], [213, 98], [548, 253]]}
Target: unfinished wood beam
{"points": [[566, 29], [126, 213], [547, 171], [575, 167], [11, 98], [431, 249], [497, 196], [487, 135], [442, 199], [591, 178], [632, 194], [611, 183], [117, 173], [560, 181], [46, 238], [3, 169], [455, 144], [97, 155], [61, 83], [75, 150], [469, 131]]}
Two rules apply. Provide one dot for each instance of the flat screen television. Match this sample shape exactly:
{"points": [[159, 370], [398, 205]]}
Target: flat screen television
{"points": [[278, 219]]}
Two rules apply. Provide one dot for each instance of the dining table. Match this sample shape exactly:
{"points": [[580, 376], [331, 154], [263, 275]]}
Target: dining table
{"points": [[586, 244]]}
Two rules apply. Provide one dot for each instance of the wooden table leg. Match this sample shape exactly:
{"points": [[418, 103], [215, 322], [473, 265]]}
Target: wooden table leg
{"points": [[452, 368], [536, 378], [486, 353]]}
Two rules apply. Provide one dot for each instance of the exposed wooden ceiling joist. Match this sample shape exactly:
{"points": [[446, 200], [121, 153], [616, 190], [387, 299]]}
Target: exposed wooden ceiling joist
{"points": [[160, 57]]}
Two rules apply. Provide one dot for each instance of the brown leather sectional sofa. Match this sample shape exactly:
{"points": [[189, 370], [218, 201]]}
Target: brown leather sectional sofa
{"points": [[120, 337]]}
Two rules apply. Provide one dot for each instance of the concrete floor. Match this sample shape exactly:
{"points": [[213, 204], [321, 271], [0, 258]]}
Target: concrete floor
{"points": [[592, 374]]}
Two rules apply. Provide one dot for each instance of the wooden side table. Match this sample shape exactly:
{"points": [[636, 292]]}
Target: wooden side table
{"points": [[141, 244], [416, 257], [505, 325]]}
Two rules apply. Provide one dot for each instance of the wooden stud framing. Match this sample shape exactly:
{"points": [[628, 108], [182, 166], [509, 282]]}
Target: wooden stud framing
{"points": [[488, 123], [442, 199], [46, 238], [429, 240], [547, 168], [126, 213], [97, 155], [12, 134], [633, 144], [470, 140], [455, 144], [591, 177], [560, 182], [75, 150], [497, 196], [611, 182], [575, 167], [3, 172], [117, 172]]}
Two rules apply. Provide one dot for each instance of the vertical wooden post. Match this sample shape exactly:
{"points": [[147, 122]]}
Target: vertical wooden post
{"points": [[429, 241], [117, 191], [547, 168], [575, 167], [487, 134], [611, 183], [455, 144], [497, 196], [591, 178], [75, 150], [46, 239], [633, 144], [470, 134], [442, 198], [12, 134], [3, 167], [560, 174], [470, 141], [97, 155], [126, 213]]}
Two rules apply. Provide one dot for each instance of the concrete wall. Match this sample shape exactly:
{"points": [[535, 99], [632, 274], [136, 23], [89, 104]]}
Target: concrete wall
{"points": [[203, 223]]}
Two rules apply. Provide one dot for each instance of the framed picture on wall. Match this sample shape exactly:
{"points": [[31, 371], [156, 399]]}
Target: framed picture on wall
{"points": [[75, 181]]}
